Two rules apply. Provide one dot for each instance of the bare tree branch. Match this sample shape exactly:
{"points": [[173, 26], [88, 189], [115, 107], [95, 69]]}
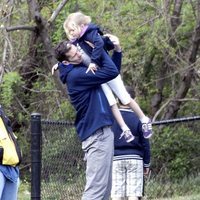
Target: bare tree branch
{"points": [[175, 22], [57, 11], [20, 27], [187, 77], [175, 18], [6, 58], [21, 105], [170, 100], [160, 110], [43, 33]]}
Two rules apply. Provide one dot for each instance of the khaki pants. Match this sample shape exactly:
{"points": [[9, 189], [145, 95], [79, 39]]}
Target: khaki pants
{"points": [[98, 150]]}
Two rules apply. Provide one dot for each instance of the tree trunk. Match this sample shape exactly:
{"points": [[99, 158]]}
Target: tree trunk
{"points": [[174, 106], [42, 30], [160, 83]]}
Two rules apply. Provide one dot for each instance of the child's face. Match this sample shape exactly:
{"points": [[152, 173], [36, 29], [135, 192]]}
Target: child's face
{"points": [[74, 31]]}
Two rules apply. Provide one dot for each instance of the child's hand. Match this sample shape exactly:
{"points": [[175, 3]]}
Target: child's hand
{"points": [[92, 67], [146, 171], [54, 68]]}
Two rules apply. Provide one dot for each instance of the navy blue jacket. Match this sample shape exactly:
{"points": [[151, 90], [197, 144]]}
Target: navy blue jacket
{"points": [[139, 148], [97, 54], [87, 97]]}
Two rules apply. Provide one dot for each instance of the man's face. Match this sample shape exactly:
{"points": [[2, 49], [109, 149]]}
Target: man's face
{"points": [[74, 55]]}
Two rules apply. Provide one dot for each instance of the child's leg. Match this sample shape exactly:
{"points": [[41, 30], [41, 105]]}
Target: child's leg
{"points": [[116, 113], [119, 89], [118, 117], [126, 131], [109, 95], [117, 86], [113, 103], [136, 108]]}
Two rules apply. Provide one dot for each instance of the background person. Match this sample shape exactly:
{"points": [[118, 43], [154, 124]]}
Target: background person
{"points": [[131, 160], [9, 175]]}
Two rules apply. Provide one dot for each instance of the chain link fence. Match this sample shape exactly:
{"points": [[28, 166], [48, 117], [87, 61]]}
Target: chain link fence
{"points": [[58, 162]]}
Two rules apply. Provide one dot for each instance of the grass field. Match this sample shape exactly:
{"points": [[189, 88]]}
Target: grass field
{"points": [[24, 191], [192, 197], [187, 189], [25, 195]]}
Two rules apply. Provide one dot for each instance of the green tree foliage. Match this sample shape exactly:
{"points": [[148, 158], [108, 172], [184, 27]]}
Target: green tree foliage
{"points": [[11, 89], [175, 150]]}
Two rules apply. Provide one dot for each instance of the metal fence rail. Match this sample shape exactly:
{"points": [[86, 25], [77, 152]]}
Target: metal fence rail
{"points": [[57, 169]]}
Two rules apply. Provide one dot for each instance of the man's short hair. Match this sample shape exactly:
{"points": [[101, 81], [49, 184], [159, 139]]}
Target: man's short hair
{"points": [[61, 49]]}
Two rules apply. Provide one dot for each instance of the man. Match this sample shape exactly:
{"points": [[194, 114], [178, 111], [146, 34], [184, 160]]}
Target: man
{"points": [[131, 160], [93, 116]]}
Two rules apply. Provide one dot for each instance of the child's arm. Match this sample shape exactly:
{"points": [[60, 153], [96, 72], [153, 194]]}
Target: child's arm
{"points": [[95, 39], [117, 50]]}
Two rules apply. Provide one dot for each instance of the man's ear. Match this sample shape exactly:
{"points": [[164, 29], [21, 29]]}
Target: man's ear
{"points": [[65, 62]]}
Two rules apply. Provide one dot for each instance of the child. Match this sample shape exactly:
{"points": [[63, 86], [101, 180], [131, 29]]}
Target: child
{"points": [[82, 32], [131, 161]]}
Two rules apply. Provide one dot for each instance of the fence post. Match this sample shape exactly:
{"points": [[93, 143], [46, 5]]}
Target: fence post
{"points": [[36, 133]]}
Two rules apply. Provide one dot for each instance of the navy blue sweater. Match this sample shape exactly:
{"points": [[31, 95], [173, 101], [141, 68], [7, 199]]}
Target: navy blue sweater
{"points": [[87, 97], [139, 148], [97, 54]]}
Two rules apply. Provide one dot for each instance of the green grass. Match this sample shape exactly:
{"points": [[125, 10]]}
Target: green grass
{"points": [[24, 191], [192, 197], [186, 189]]}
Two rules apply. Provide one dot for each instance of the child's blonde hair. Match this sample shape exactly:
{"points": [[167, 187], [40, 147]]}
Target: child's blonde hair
{"points": [[75, 20]]}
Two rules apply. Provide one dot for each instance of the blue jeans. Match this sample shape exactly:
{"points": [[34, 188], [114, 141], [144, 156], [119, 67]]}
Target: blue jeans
{"points": [[98, 150], [8, 189]]}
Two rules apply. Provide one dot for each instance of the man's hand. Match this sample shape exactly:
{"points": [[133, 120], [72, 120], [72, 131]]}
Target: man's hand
{"points": [[92, 67], [54, 68], [115, 40]]}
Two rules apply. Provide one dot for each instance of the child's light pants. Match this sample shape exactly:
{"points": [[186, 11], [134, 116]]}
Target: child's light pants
{"points": [[117, 87]]}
